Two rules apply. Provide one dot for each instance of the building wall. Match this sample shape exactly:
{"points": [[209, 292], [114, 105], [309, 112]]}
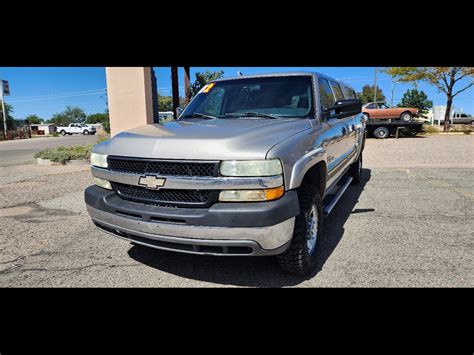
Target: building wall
{"points": [[129, 92]]}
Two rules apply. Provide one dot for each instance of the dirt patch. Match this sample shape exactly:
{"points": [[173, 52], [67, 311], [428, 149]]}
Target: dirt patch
{"points": [[15, 211]]}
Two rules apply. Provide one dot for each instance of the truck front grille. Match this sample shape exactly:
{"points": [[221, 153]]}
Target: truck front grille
{"points": [[165, 197], [162, 167]]}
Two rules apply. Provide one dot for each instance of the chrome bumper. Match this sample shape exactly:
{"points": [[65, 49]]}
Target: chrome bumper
{"points": [[269, 240]]}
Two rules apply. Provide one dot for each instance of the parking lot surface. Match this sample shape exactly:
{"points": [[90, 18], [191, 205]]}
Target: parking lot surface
{"points": [[409, 223]]}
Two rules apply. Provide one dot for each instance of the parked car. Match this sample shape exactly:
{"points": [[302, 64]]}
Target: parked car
{"points": [[383, 110], [251, 167], [460, 118], [76, 128]]}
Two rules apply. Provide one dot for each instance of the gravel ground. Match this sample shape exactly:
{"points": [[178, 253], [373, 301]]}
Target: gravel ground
{"points": [[410, 223]]}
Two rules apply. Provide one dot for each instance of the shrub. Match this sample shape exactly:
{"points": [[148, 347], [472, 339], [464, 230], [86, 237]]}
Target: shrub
{"points": [[64, 154], [103, 137], [430, 129]]}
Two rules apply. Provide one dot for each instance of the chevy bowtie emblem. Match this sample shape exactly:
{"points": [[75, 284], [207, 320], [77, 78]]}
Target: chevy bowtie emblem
{"points": [[151, 182]]}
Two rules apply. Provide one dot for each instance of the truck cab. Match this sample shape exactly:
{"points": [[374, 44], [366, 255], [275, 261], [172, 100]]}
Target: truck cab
{"points": [[251, 167]]}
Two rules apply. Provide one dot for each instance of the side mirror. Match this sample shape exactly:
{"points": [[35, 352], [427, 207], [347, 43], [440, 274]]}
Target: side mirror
{"points": [[344, 108]]}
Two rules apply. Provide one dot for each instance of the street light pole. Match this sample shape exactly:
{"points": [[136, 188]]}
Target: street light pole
{"points": [[4, 113]]}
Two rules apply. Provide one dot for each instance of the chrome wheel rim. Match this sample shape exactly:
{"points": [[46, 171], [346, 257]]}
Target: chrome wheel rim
{"points": [[312, 233], [360, 166]]}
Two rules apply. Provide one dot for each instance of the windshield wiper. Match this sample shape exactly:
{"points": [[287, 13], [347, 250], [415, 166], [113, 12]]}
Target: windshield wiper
{"points": [[251, 114], [200, 115]]}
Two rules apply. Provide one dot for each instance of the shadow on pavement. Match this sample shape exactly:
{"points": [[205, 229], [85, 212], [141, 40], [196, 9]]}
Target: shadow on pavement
{"points": [[253, 271]]}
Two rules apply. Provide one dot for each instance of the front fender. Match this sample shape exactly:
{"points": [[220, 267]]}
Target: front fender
{"points": [[306, 162]]}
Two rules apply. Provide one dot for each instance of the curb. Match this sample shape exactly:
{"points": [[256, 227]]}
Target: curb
{"points": [[48, 162]]}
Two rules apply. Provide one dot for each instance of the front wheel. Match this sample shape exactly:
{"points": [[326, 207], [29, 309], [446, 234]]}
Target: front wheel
{"points": [[86, 132], [300, 257]]}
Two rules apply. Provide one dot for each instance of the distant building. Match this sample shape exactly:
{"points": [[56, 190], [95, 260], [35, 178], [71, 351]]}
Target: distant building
{"points": [[43, 128]]}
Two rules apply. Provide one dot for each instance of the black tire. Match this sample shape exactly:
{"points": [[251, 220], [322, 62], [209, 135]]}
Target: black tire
{"points": [[63, 132], [297, 259], [356, 170], [381, 133], [86, 132], [406, 116]]}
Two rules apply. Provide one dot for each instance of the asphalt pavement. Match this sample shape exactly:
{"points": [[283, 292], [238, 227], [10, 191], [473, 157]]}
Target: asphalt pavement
{"points": [[21, 151]]}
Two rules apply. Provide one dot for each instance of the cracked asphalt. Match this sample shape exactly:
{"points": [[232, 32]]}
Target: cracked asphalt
{"points": [[409, 224]]}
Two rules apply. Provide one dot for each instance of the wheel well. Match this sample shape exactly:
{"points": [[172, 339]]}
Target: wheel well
{"points": [[316, 175], [406, 112]]}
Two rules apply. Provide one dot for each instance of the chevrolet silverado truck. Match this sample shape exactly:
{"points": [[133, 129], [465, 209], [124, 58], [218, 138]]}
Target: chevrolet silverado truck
{"points": [[251, 167], [76, 128]]}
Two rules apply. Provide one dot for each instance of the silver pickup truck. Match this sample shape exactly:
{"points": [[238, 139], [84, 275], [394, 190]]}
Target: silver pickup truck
{"points": [[251, 167]]}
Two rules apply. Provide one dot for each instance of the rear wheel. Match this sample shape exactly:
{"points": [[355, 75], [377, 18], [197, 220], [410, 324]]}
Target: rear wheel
{"points": [[381, 133], [300, 257], [405, 116], [63, 132], [355, 171]]}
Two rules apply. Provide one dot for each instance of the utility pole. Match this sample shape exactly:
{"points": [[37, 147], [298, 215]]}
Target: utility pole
{"points": [[393, 87], [4, 113], [375, 85]]}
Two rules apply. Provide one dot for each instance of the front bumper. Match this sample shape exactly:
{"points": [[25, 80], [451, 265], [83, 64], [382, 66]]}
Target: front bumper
{"points": [[264, 228]]}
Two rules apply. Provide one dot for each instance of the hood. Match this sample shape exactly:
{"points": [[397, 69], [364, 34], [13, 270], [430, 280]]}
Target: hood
{"points": [[215, 139]]}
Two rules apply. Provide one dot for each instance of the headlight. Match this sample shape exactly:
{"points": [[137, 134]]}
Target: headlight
{"points": [[103, 183], [99, 160], [267, 167], [252, 195]]}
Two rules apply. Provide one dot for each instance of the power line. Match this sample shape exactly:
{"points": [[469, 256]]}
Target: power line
{"points": [[60, 94]]}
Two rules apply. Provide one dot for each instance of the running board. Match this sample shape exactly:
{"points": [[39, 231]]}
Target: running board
{"points": [[328, 208]]}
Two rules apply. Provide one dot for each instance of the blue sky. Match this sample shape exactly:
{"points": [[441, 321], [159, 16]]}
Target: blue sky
{"points": [[47, 90]]}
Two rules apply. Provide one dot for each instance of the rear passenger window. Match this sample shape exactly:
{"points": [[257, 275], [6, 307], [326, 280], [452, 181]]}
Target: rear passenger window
{"points": [[327, 98], [337, 91], [349, 93]]}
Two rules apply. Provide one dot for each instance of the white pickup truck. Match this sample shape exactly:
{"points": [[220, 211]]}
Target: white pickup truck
{"points": [[76, 128]]}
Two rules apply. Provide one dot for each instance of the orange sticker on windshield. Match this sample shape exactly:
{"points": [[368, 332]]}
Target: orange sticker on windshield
{"points": [[208, 88]]}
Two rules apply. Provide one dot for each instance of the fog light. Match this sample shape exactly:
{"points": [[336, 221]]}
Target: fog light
{"points": [[103, 183], [251, 195]]}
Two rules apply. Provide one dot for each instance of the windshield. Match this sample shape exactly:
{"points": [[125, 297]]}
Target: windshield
{"points": [[270, 97]]}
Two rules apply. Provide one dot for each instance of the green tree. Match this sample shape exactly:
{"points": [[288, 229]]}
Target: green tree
{"points": [[201, 80], [11, 124], [367, 94], [33, 119], [97, 118], [69, 115], [443, 78], [165, 103], [416, 99]]}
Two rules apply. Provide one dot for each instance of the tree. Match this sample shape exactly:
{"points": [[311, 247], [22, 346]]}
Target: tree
{"points": [[33, 119], [416, 99], [165, 103], [443, 78], [97, 118], [367, 94], [10, 120], [69, 115], [201, 80]]}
